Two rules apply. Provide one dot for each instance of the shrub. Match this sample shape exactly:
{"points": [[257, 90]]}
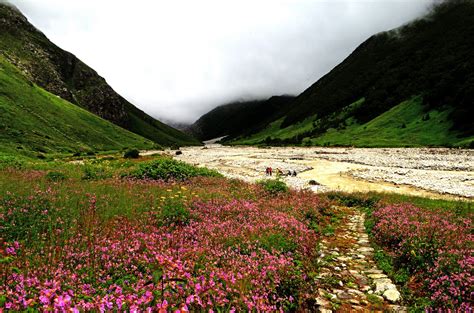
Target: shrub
{"points": [[11, 162], [55, 176], [91, 172], [274, 186], [278, 242], [166, 169], [174, 213], [131, 154]]}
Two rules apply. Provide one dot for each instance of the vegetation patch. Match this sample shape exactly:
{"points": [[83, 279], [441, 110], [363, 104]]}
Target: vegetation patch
{"points": [[131, 154], [433, 247], [166, 169], [274, 186]]}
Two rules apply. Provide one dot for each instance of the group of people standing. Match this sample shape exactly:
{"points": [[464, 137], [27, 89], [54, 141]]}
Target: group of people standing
{"points": [[279, 172]]}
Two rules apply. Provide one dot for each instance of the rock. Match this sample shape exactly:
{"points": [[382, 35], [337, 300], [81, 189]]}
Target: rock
{"points": [[397, 309], [179, 152], [374, 271], [340, 283], [323, 310], [312, 182], [322, 302], [384, 284], [392, 295], [377, 276], [354, 301], [344, 296], [365, 288], [356, 292], [337, 268]]}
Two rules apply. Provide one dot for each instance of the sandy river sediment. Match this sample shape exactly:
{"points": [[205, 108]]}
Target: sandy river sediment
{"points": [[431, 172]]}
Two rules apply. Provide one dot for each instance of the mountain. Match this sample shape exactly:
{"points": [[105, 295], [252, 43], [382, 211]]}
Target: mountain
{"points": [[425, 67], [61, 73], [34, 121], [240, 118]]}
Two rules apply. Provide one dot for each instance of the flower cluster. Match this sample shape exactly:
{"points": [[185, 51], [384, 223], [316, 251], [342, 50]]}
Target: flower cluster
{"points": [[248, 254], [436, 246]]}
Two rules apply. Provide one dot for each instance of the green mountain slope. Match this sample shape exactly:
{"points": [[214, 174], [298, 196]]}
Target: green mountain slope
{"points": [[34, 121], [408, 124], [62, 74], [240, 118], [432, 58]]}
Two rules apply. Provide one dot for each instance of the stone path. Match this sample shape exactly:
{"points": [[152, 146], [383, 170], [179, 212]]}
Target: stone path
{"points": [[349, 277]]}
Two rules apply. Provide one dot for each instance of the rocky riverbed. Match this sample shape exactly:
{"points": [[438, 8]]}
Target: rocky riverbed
{"points": [[425, 171]]}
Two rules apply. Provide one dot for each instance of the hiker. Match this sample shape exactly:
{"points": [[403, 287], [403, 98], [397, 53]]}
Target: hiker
{"points": [[289, 173], [270, 171], [279, 172], [267, 171], [294, 173]]}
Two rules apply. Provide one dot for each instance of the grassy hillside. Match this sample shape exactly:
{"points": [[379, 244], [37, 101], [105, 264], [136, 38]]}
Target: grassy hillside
{"points": [[34, 121], [432, 57], [240, 118], [62, 74], [409, 123]]}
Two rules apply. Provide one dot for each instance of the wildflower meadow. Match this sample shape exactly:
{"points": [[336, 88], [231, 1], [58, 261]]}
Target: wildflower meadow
{"points": [[114, 234]]}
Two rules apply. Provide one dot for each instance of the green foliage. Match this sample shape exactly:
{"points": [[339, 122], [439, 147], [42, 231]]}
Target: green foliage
{"points": [[166, 169], [355, 199], [174, 212], [273, 186], [278, 242], [11, 162], [95, 171], [131, 154], [28, 219], [55, 176]]}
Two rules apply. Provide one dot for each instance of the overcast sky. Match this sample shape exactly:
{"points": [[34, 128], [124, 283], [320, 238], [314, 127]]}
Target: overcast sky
{"points": [[178, 59]]}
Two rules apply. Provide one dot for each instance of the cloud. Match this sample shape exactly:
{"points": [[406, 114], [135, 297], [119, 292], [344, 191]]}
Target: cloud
{"points": [[178, 59]]}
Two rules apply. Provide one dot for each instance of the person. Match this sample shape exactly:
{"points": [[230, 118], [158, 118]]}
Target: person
{"points": [[289, 173], [270, 171], [279, 172], [294, 173]]}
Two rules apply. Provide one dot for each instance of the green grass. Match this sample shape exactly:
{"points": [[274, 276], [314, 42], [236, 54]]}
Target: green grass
{"points": [[405, 125], [273, 130], [34, 121]]}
